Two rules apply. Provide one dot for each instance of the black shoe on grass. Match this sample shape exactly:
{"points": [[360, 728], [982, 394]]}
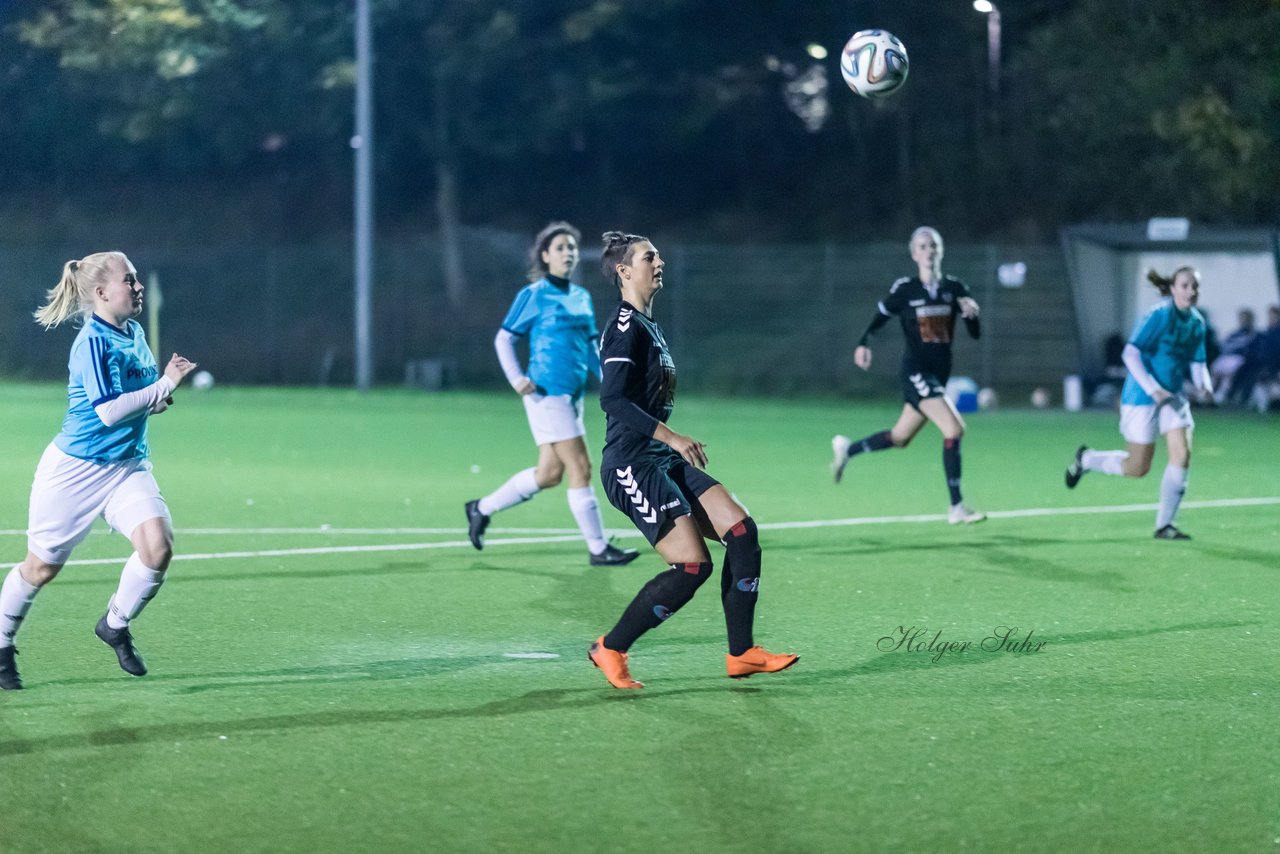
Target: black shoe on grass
{"points": [[614, 556], [9, 678], [122, 642], [476, 523], [1075, 471], [1168, 532]]}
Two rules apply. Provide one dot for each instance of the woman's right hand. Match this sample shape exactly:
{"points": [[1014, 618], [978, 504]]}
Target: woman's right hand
{"points": [[693, 451], [862, 357], [178, 368], [524, 386]]}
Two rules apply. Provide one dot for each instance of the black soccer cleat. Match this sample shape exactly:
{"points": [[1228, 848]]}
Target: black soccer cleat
{"points": [[476, 523], [1075, 471], [1168, 532], [122, 642], [9, 678], [614, 556]]}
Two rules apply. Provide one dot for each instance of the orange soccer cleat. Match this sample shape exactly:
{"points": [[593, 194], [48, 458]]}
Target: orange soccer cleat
{"points": [[613, 663], [757, 660]]}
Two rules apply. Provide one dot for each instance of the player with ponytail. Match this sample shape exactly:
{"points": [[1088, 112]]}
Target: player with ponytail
{"points": [[98, 466], [1166, 349]]}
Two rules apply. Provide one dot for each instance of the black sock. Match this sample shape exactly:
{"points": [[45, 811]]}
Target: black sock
{"points": [[951, 465], [740, 589], [666, 593], [874, 442]]}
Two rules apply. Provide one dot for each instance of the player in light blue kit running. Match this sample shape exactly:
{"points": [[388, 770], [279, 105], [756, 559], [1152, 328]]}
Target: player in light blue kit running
{"points": [[97, 465], [1166, 347], [564, 347]]}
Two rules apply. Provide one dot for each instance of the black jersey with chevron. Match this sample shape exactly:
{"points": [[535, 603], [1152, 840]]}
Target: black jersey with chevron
{"points": [[638, 387], [928, 318]]}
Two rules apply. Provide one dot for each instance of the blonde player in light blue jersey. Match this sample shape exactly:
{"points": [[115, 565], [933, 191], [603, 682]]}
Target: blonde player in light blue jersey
{"points": [[1164, 351], [564, 349], [97, 465]]}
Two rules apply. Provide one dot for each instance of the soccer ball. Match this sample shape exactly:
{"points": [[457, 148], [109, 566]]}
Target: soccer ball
{"points": [[874, 63], [202, 380]]}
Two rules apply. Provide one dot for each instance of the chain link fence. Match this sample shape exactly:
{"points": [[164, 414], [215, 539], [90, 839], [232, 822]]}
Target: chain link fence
{"points": [[740, 319]]}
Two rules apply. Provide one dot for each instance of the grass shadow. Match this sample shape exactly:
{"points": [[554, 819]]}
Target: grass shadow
{"points": [[542, 700]]}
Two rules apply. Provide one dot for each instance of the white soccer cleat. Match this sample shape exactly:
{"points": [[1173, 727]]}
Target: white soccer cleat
{"points": [[962, 514], [839, 456]]}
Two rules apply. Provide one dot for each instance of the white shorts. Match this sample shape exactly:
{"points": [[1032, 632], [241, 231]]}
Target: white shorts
{"points": [[69, 493], [553, 417], [1139, 422]]}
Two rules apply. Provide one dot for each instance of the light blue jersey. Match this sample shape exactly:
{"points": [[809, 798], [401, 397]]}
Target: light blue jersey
{"points": [[561, 325], [1170, 341], [105, 363]]}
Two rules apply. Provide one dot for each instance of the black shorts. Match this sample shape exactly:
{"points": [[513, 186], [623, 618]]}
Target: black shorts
{"points": [[920, 385], [655, 491]]}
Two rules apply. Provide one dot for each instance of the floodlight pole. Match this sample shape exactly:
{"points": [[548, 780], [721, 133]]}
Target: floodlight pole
{"points": [[362, 142], [989, 8], [993, 52]]}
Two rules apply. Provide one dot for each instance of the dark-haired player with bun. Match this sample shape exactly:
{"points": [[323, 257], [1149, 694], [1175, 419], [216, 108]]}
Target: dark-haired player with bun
{"points": [[1166, 347], [655, 476], [926, 306]]}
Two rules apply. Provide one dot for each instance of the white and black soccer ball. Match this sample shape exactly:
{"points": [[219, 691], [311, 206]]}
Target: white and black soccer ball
{"points": [[202, 380], [874, 63]]}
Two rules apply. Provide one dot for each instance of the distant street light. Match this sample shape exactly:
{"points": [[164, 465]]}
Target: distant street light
{"points": [[989, 9]]}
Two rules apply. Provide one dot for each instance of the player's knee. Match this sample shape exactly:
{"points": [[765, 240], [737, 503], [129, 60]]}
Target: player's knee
{"points": [[155, 549], [743, 536], [582, 470], [1136, 468], [688, 577], [38, 573], [550, 476]]}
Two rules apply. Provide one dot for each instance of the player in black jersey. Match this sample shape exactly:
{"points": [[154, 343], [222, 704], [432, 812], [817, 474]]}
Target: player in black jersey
{"points": [[655, 476], [927, 306]]}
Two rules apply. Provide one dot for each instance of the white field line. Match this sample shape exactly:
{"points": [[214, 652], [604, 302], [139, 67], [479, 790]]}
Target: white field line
{"points": [[328, 529], [1022, 514], [556, 537]]}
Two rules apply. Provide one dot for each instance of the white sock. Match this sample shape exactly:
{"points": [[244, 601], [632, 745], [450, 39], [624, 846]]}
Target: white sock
{"points": [[138, 584], [522, 486], [16, 596], [582, 501], [1107, 462], [1172, 487]]}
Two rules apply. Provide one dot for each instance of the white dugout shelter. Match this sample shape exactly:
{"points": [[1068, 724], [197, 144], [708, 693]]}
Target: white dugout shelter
{"points": [[1107, 264]]}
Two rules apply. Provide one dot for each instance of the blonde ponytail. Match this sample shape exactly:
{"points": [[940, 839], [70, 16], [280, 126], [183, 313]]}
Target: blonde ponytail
{"points": [[73, 295]]}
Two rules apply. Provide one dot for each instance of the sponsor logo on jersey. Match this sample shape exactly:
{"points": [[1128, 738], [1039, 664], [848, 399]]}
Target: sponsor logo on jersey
{"points": [[139, 373], [923, 310]]}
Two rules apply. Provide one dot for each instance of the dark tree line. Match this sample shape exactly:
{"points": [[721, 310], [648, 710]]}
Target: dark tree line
{"points": [[703, 115]]}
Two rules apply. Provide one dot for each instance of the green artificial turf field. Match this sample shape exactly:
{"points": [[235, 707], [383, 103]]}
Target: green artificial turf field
{"points": [[334, 669]]}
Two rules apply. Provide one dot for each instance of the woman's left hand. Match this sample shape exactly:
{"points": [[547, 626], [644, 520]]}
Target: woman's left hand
{"points": [[968, 307]]}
